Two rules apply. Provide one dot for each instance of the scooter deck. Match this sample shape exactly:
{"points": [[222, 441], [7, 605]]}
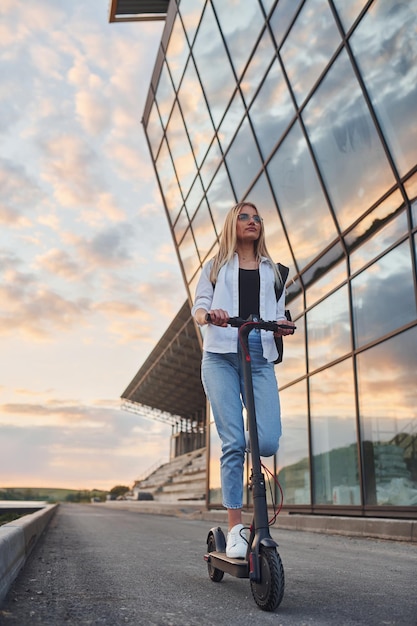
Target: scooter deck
{"points": [[236, 567]]}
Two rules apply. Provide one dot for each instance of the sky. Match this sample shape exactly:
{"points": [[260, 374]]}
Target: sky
{"points": [[89, 279]]}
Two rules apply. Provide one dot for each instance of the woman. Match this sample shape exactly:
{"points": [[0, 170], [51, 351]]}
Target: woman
{"points": [[238, 281]]}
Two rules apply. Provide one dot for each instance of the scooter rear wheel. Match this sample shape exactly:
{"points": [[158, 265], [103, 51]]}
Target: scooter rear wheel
{"points": [[216, 575], [268, 593]]}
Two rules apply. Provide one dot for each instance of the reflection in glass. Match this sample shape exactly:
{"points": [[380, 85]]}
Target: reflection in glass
{"points": [[383, 296], [323, 264], [243, 159], [154, 130], [220, 198], [181, 225], [334, 436], [240, 23], [165, 95], [188, 254], [272, 109], [260, 195], [293, 365], [177, 52], [382, 239], [303, 62], [414, 213], [349, 153], [293, 453], [331, 279], [231, 121], [387, 405], [328, 329], [194, 197], [203, 229], [191, 12], [211, 163], [300, 198], [213, 65], [195, 112], [348, 11], [385, 48], [168, 181], [259, 62], [215, 489], [411, 188], [181, 150], [282, 17]]}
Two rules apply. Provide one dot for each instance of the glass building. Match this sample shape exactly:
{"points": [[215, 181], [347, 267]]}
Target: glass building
{"points": [[308, 109]]}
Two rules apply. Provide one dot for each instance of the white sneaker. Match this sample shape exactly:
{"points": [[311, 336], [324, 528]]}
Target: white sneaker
{"points": [[237, 544]]}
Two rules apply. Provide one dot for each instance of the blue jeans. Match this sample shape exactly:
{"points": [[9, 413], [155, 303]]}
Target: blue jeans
{"points": [[222, 378]]}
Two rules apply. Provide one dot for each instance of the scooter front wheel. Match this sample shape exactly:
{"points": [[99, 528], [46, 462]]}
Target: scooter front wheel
{"points": [[268, 593]]}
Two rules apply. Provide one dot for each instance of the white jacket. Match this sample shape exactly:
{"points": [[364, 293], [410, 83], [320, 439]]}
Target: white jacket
{"points": [[225, 296]]}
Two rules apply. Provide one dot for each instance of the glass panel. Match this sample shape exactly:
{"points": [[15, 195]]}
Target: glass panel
{"points": [[188, 254], [220, 198], [382, 240], [414, 213], [411, 187], [267, 4], [333, 436], [181, 150], [383, 296], [177, 52], [323, 264], [211, 163], [300, 198], [374, 220], [194, 197], [213, 65], [294, 364], [272, 109], [314, 30], [169, 184], [385, 47], [215, 490], [181, 225], [241, 24], [276, 241], [327, 283], [243, 159], [257, 66], [195, 112], [293, 454], [387, 405], [154, 130], [349, 153], [231, 121], [348, 11], [328, 329], [203, 229], [191, 12], [282, 17], [165, 95]]}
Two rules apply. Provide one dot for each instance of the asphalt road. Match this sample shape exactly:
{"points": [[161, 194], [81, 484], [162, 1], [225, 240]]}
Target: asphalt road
{"points": [[97, 565]]}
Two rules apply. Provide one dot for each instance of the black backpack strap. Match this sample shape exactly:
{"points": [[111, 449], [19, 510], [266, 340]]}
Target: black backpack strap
{"points": [[284, 271]]}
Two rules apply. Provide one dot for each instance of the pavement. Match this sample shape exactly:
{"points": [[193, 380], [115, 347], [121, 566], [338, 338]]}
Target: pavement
{"points": [[18, 538]]}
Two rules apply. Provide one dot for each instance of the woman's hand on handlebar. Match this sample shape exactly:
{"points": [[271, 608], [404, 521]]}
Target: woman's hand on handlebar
{"points": [[218, 317], [287, 330]]}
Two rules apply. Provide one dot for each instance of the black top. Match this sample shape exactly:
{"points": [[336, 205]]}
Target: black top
{"points": [[249, 283]]}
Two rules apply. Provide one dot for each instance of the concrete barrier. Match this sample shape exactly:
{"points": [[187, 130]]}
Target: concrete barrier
{"points": [[17, 540]]}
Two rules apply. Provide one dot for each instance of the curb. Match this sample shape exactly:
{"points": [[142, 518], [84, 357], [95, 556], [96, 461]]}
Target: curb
{"points": [[17, 540], [388, 529]]}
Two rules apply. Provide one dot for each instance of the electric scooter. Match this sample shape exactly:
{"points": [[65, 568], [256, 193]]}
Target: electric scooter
{"points": [[262, 565]]}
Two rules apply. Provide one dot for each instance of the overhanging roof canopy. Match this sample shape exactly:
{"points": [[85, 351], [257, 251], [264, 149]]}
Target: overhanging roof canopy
{"points": [[137, 10], [169, 380]]}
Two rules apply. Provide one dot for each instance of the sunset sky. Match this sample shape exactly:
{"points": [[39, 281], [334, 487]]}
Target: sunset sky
{"points": [[89, 277]]}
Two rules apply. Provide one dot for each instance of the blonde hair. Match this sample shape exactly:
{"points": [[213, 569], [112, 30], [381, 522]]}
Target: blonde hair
{"points": [[228, 240]]}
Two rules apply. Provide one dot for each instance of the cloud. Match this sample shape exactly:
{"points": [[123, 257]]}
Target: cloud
{"points": [[18, 195]]}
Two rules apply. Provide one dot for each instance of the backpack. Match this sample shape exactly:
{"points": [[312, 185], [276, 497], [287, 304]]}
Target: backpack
{"points": [[284, 271]]}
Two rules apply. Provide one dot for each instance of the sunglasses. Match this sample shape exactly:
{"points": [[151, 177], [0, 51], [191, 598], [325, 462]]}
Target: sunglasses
{"points": [[245, 217]]}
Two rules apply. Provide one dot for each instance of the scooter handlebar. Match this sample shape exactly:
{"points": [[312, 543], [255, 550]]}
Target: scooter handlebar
{"points": [[237, 322]]}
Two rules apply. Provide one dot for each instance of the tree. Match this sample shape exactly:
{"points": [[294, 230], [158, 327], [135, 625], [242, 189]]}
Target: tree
{"points": [[119, 490]]}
